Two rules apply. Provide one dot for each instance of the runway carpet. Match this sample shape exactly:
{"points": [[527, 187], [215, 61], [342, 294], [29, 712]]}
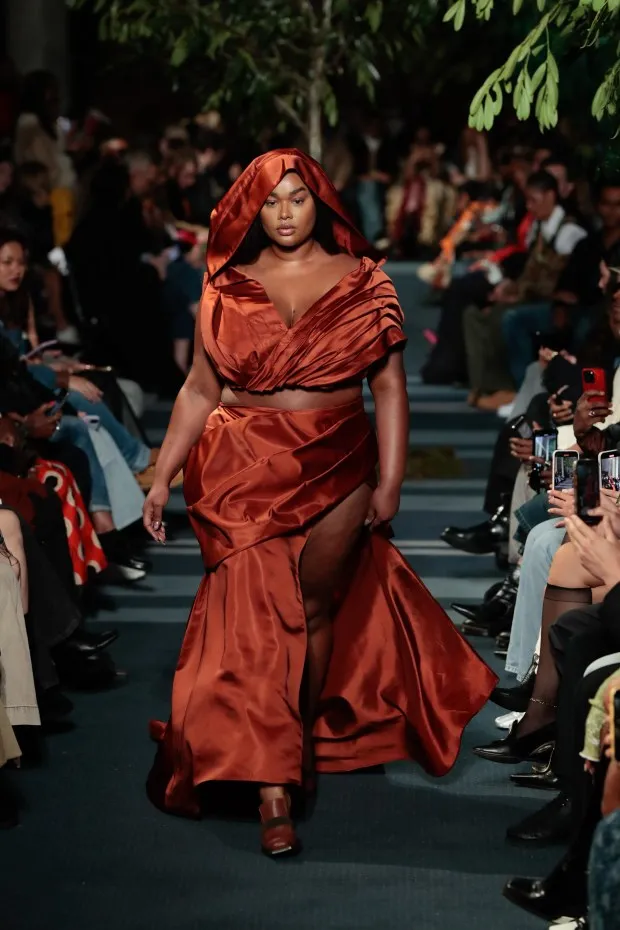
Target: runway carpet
{"points": [[383, 851]]}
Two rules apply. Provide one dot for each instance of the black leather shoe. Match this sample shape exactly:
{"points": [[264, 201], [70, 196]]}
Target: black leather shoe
{"points": [[541, 777], [536, 746], [483, 537], [562, 894], [502, 643], [516, 698], [552, 824], [86, 641], [469, 611], [494, 616], [124, 571]]}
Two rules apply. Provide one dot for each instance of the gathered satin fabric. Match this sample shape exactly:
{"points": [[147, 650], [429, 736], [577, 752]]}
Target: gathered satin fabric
{"points": [[402, 682]]}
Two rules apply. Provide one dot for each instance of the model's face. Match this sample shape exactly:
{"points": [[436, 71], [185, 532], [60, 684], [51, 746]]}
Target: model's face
{"points": [[289, 213], [12, 267]]}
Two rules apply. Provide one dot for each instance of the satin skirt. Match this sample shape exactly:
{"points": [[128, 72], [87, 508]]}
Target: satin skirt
{"points": [[402, 682]]}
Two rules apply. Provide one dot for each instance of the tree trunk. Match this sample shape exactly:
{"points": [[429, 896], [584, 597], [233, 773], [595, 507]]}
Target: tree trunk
{"points": [[315, 129]]}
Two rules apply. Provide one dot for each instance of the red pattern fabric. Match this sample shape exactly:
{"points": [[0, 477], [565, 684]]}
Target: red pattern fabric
{"points": [[84, 546]]}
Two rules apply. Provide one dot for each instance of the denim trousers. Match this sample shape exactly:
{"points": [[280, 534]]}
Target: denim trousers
{"points": [[519, 326], [541, 546], [135, 453], [76, 431]]}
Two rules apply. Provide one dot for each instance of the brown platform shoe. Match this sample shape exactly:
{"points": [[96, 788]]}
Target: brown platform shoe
{"points": [[278, 837]]}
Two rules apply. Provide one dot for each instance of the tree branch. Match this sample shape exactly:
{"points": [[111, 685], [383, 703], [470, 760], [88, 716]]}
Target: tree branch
{"points": [[287, 110]]}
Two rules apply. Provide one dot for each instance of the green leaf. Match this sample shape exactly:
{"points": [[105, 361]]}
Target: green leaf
{"points": [[459, 19], [516, 6], [374, 15], [538, 76]]}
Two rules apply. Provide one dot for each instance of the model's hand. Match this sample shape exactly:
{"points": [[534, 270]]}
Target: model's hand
{"points": [[153, 510], [589, 411], [86, 388], [383, 506]]}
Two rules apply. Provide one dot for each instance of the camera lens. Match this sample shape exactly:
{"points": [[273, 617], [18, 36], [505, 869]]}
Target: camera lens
{"points": [[588, 377]]}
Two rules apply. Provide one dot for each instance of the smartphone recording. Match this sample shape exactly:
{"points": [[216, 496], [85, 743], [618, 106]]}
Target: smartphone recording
{"points": [[587, 490], [564, 471]]}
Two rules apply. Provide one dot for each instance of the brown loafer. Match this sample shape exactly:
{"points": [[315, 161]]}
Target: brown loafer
{"points": [[278, 837]]}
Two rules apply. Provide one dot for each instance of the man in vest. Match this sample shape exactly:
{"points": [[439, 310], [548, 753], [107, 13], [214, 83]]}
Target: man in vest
{"points": [[551, 240]]}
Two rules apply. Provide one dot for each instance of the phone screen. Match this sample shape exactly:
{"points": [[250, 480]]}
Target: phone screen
{"points": [[610, 471], [564, 468], [522, 428], [587, 490], [545, 444]]}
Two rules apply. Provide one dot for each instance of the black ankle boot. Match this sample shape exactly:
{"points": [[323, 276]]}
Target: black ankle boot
{"points": [[517, 698], [536, 746], [483, 537], [494, 616]]}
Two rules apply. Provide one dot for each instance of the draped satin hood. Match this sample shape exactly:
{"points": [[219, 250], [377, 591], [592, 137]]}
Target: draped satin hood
{"points": [[237, 210]]}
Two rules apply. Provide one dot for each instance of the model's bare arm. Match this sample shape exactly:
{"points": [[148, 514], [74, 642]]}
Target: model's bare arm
{"points": [[198, 397]]}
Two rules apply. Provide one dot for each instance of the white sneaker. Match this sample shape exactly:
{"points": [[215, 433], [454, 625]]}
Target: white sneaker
{"points": [[505, 412], [505, 721], [568, 923]]}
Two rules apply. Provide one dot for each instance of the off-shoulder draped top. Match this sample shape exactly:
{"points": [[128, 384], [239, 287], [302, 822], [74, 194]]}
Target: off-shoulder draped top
{"points": [[354, 325]]}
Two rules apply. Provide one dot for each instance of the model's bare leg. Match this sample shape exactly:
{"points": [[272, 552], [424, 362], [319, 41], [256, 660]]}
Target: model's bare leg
{"points": [[323, 562]]}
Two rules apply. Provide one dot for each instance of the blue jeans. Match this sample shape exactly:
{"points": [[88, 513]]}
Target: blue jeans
{"points": [[543, 542], [135, 453], [75, 431], [519, 325]]}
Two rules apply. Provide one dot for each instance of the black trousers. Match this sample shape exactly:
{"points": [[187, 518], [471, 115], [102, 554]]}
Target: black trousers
{"points": [[447, 361], [504, 468], [578, 638]]}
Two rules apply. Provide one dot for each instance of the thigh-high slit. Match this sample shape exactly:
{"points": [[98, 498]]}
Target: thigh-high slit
{"points": [[277, 499]]}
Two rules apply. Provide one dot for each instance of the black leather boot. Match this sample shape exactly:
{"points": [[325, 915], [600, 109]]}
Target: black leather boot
{"points": [[495, 615], [483, 537]]}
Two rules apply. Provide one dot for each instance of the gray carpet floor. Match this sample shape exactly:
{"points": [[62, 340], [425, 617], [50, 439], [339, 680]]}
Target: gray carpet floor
{"points": [[382, 851]]}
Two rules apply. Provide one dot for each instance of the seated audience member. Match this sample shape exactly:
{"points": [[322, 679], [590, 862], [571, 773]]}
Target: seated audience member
{"points": [[40, 138], [477, 207], [36, 219], [8, 205], [17, 689], [181, 170], [577, 295], [551, 240], [586, 643], [420, 208], [118, 262], [447, 361], [17, 317]]}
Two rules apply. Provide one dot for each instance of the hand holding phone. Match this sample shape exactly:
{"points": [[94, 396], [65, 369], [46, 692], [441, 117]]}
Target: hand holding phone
{"points": [[564, 470], [594, 383]]}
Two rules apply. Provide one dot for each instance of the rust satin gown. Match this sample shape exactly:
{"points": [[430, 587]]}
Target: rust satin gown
{"points": [[402, 682]]}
